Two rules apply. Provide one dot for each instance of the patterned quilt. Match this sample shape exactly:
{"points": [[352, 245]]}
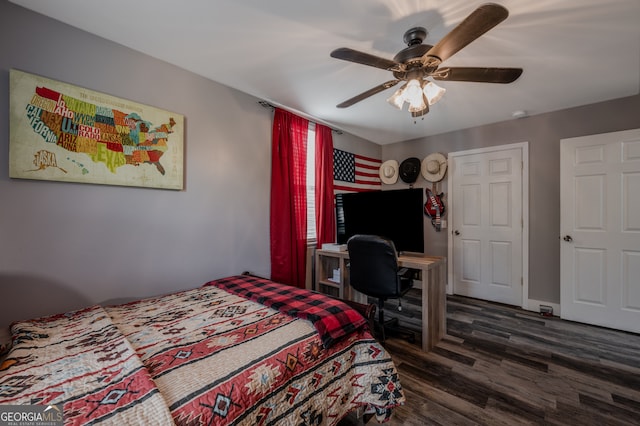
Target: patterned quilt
{"points": [[82, 360], [197, 357]]}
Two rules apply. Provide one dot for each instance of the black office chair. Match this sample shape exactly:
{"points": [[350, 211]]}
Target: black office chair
{"points": [[374, 272]]}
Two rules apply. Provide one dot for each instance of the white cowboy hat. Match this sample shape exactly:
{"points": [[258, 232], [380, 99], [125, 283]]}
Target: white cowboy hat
{"points": [[434, 167], [389, 172]]}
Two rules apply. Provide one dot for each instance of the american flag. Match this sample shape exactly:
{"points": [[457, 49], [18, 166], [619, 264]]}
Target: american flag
{"points": [[355, 173]]}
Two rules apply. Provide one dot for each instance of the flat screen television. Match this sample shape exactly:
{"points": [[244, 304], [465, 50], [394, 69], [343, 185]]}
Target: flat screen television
{"points": [[394, 214]]}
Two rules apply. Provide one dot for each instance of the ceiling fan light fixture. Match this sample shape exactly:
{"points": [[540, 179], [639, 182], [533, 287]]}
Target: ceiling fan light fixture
{"points": [[414, 96], [433, 92], [420, 113], [397, 99], [418, 107]]}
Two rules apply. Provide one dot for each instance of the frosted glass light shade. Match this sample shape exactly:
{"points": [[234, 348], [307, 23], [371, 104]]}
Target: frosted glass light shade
{"points": [[433, 92], [397, 99], [413, 95]]}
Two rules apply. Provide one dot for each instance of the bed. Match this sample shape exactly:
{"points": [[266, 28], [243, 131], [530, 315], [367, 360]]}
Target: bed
{"points": [[239, 350]]}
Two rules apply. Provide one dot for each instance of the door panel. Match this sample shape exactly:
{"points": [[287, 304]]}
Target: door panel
{"points": [[630, 274], [471, 264], [590, 268], [630, 212], [500, 204], [589, 208], [501, 263], [471, 198]]}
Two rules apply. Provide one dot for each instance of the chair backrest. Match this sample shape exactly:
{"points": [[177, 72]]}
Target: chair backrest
{"points": [[373, 266]]}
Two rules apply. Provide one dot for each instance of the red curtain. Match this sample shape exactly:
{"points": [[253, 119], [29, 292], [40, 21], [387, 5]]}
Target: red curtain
{"points": [[288, 198], [325, 209]]}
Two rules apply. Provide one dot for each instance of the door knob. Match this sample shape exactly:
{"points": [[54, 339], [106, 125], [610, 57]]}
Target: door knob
{"points": [[456, 232], [568, 238]]}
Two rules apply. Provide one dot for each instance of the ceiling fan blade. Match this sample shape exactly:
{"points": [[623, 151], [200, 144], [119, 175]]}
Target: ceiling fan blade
{"points": [[368, 93], [477, 23], [351, 55], [480, 75]]}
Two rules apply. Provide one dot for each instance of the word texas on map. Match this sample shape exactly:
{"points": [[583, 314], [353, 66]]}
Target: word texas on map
{"points": [[62, 132]]}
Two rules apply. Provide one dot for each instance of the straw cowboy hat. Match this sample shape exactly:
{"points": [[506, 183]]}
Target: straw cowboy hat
{"points": [[389, 172], [434, 167]]}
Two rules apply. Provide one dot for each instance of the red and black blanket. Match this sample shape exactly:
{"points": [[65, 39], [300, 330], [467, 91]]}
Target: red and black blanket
{"points": [[332, 318]]}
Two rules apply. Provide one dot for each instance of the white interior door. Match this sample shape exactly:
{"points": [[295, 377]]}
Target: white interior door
{"points": [[486, 188], [600, 229]]}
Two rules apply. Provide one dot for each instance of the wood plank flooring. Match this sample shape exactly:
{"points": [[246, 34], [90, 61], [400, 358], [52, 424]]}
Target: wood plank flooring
{"points": [[501, 365]]}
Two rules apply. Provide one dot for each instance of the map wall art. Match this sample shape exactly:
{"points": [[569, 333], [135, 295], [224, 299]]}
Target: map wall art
{"points": [[62, 132]]}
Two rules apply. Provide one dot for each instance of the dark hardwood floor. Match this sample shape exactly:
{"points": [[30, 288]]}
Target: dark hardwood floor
{"points": [[501, 365]]}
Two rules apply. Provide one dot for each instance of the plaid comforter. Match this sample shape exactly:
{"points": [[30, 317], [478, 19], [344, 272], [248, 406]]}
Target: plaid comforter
{"points": [[332, 318]]}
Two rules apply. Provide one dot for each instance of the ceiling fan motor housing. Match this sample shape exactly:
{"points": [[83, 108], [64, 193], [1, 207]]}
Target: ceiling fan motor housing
{"points": [[411, 56], [413, 37]]}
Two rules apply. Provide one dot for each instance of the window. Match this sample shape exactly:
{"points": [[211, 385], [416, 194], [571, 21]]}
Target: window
{"points": [[311, 184]]}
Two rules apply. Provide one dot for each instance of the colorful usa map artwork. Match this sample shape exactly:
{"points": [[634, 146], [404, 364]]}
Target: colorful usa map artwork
{"points": [[63, 132]]}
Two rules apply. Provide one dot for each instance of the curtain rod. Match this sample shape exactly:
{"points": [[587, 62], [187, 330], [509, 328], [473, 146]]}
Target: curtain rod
{"points": [[266, 104]]}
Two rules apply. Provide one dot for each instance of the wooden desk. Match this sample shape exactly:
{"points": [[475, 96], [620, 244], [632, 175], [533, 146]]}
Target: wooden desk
{"points": [[433, 287]]}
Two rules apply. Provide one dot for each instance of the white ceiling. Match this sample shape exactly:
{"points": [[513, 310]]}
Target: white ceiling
{"points": [[573, 52]]}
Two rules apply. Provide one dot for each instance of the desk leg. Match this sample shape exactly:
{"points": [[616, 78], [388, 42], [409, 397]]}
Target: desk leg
{"points": [[441, 312], [426, 309], [434, 306]]}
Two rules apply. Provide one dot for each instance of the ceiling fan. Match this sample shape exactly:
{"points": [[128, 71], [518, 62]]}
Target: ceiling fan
{"points": [[418, 61]]}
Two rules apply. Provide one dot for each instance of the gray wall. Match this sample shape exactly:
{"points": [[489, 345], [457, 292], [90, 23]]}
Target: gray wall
{"points": [[64, 245], [350, 143], [543, 132]]}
